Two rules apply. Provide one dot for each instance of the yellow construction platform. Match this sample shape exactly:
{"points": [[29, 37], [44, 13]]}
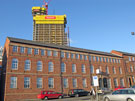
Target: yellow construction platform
{"points": [[49, 19]]}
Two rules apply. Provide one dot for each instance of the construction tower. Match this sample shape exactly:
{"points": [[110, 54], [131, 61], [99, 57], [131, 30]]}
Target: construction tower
{"points": [[49, 28]]}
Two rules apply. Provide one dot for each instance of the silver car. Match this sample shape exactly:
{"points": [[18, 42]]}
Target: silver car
{"points": [[127, 94]]}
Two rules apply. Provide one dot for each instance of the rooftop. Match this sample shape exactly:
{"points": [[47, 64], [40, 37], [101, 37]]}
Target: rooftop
{"points": [[30, 42]]}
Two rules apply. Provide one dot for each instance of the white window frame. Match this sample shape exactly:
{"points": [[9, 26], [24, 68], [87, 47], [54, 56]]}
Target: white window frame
{"points": [[22, 49], [50, 66], [51, 82], [39, 65], [15, 49], [65, 82], [13, 82], [27, 65], [29, 51], [73, 68], [55, 53], [83, 68], [84, 82], [36, 51], [74, 82], [39, 83], [26, 82], [14, 64], [63, 67]]}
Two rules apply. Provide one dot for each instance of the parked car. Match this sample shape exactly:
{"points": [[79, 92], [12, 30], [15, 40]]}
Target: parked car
{"points": [[133, 86], [119, 87], [127, 94], [104, 90], [78, 92], [49, 94]]}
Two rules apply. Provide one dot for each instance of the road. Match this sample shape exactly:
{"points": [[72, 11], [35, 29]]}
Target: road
{"points": [[84, 98]]}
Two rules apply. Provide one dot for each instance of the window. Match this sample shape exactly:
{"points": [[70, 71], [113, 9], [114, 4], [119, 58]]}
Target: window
{"points": [[85, 57], [39, 66], [22, 49], [50, 66], [109, 83], [115, 82], [26, 82], [94, 59], [84, 83], [36, 51], [14, 64], [39, 82], [83, 68], [113, 61], [62, 54], [15, 48], [120, 70], [29, 51], [114, 71], [132, 58], [107, 70], [81, 57], [63, 67], [13, 82], [42, 52], [103, 59], [106, 59], [110, 60], [72, 55], [118, 60], [129, 58], [55, 53], [77, 56], [89, 58], [49, 53], [65, 82], [74, 82], [100, 59], [97, 58], [27, 65], [122, 82], [131, 69], [91, 69], [133, 79], [51, 83], [73, 68], [67, 54], [100, 68]]}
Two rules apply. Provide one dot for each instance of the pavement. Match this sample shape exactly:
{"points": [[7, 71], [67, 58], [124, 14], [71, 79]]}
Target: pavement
{"points": [[84, 98]]}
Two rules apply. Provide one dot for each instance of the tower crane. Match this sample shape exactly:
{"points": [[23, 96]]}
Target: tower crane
{"points": [[46, 5]]}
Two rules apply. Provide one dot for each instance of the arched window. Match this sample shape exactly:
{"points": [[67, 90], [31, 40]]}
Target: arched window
{"points": [[50, 66], [39, 66], [14, 64], [83, 68], [73, 68], [63, 67], [27, 65]]}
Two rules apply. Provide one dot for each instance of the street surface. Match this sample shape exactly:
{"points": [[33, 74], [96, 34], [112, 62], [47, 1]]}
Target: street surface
{"points": [[84, 98]]}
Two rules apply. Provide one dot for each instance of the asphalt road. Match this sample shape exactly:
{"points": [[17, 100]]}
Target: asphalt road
{"points": [[84, 98]]}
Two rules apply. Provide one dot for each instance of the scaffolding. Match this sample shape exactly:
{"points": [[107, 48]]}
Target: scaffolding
{"points": [[49, 28]]}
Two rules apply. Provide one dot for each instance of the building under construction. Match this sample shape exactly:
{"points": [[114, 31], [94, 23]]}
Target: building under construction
{"points": [[49, 28]]}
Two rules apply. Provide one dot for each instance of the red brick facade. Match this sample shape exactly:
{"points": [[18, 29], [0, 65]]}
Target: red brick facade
{"points": [[99, 60]]}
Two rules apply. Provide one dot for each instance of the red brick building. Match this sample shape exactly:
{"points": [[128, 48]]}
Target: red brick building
{"points": [[29, 67]]}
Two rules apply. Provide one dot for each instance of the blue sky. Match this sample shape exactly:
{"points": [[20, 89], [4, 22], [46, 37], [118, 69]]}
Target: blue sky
{"points": [[102, 25]]}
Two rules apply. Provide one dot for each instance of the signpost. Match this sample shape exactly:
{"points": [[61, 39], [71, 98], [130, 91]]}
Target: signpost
{"points": [[95, 81], [96, 84]]}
